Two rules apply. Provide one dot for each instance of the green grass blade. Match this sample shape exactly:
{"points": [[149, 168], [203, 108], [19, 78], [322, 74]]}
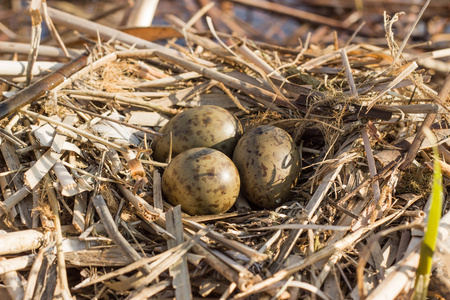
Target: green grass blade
{"points": [[429, 242]]}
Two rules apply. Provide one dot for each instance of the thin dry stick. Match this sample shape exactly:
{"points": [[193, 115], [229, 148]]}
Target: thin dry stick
{"points": [[406, 72], [105, 32], [265, 97], [243, 283], [36, 20], [320, 60], [233, 98], [59, 247], [143, 261], [179, 271], [44, 50], [32, 277], [124, 99], [259, 62], [348, 72], [37, 89], [340, 245], [255, 67], [251, 253], [51, 27], [113, 232], [193, 20], [429, 119], [309, 287], [372, 167], [357, 30], [161, 265]]}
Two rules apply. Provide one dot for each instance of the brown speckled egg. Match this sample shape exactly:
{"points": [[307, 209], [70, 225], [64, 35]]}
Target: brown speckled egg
{"points": [[269, 164], [204, 126], [202, 180]]}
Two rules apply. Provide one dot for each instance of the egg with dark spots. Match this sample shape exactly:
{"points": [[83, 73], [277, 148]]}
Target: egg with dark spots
{"points": [[204, 126], [268, 161], [203, 181]]}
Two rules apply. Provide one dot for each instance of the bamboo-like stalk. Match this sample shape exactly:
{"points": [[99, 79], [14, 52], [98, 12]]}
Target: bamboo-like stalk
{"points": [[44, 50], [32, 277], [16, 263], [37, 89], [20, 241]]}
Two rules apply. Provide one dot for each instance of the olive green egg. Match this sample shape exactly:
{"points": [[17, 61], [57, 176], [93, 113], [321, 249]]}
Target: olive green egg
{"points": [[268, 161], [204, 126], [203, 181]]}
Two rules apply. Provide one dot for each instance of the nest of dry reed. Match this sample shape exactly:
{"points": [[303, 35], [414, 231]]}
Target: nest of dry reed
{"points": [[82, 210]]}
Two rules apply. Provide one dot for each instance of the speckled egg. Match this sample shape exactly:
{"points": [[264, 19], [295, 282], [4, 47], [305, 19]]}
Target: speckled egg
{"points": [[269, 165], [203, 181], [204, 126]]}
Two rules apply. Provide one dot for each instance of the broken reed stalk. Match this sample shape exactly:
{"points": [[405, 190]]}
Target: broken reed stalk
{"points": [[145, 261], [344, 243], [372, 166], [124, 99], [179, 271], [39, 88], [44, 50], [152, 132], [429, 119], [83, 133], [113, 232], [33, 275]]}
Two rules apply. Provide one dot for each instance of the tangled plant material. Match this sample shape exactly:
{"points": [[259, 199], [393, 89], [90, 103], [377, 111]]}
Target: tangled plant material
{"points": [[355, 111]]}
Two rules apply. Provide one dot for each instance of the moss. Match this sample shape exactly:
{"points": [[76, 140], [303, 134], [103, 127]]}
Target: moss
{"points": [[417, 180]]}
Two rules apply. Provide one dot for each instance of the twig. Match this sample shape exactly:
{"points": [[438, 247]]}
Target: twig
{"points": [[429, 119], [372, 167], [124, 99], [36, 20], [34, 91], [113, 232], [348, 72]]}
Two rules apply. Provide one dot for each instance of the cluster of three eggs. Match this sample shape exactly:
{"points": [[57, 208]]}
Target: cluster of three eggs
{"points": [[203, 178]]}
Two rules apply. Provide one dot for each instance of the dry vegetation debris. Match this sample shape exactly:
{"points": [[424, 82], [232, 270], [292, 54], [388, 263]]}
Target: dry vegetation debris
{"points": [[83, 214]]}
